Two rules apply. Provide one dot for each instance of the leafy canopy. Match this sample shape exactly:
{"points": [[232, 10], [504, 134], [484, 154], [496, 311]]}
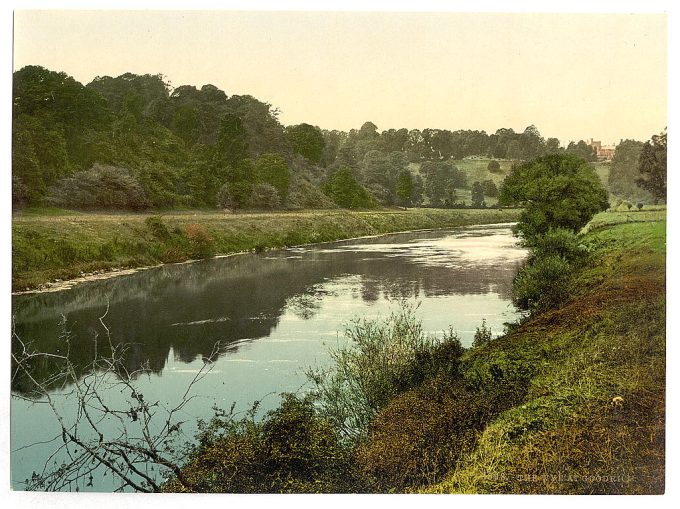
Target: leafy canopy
{"points": [[556, 191]]}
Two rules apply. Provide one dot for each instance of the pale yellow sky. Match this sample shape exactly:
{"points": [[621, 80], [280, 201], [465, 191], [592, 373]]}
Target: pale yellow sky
{"points": [[573, 76]]}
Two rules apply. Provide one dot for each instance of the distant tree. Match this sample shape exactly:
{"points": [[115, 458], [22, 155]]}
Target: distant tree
{"points": [[100, 187], [272, 169], [652, 166], [404, 188], [477, 195], [490, 189], [494, 166], [417, 195], [556, 191], [342, 187], [265, 196], [552, 146], [232, 144], [307, 141], [582, 150], [624, 172]]}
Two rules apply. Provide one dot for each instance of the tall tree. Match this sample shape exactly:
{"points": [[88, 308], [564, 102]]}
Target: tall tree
{"points": [[652, 166], [404, 189], [307, 141], [556, 191]]}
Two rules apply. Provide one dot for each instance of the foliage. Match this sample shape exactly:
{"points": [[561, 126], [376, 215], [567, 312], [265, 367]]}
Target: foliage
{"points": [[376, 364], [342, 187], [490, 189], [291, 450], [494, 166], [557, 191], [477, 195], [441, 181], [201, 243], [405, 188], [624, 172], [100, 187], [542, 284], [482, 336], [265, 196], [273, 170], [307, 141], [652, 167]]}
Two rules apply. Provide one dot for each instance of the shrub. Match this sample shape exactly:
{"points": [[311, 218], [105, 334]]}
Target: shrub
{"points": [[201, 243], [417, 438], [542, 284], [482, 336], [265, 196], [558, 242], [494, 167], [382, 359], [292, 450], [157, 227], [100, 187]]}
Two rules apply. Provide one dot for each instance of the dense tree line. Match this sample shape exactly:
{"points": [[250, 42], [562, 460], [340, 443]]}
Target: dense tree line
{"points": [[199, 147]]}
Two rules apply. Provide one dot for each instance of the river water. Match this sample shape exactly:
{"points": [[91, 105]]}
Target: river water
{"points": [[275, 314]]}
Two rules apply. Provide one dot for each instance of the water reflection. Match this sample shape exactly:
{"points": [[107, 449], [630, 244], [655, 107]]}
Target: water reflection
{"points": [[184, 309]]}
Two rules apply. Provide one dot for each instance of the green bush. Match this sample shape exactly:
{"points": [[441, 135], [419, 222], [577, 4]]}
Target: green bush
{"points": [[482, 336], [100, 187], [558, 242], [542, 284], [157, 227], [381, 359], [292, 450]]}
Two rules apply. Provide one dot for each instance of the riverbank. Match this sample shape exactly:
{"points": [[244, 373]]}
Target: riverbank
{"points": [[593, 419], [569, 401], [48, 250]]}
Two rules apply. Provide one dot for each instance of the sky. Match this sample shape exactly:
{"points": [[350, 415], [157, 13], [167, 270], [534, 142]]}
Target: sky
{"points": [[574, 76]]}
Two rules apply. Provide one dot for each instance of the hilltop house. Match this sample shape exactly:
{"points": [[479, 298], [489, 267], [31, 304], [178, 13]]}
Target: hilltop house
{"points": [[603, 153]]}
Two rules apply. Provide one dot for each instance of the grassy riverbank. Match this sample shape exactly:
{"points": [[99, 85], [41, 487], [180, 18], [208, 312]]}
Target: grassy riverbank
{"points": [[593, 417], [570, 401], [54, 244]]}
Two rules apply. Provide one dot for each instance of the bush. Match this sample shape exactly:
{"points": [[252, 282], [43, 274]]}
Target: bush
{"points": [[542, 284], [157, 227], [343, 188], [382, 359], [558, 242], [494, 167], [418, 437], [100, 187], [201, 243], [291, 450], [482, 336], [265, 196]]}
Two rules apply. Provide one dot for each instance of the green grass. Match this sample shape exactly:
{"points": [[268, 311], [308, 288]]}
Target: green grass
{"points": [[62, 246], [476, 170], [572, 434]]}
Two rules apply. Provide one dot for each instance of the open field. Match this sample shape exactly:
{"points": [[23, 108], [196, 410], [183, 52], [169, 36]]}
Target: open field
{"points": [[63, 245], [593, 420]]}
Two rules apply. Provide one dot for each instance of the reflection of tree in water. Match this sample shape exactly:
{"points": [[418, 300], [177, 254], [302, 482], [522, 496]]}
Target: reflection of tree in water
{"points": [[189, 307]]}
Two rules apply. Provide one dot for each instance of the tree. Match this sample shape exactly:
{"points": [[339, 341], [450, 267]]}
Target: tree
{"points": [[624, 172], [477, 195], [652, 166], [556, 191], [494, 166], [404, 189], [342, 187], [100, 187], [490, 189], [272, 169], [307, 141]]}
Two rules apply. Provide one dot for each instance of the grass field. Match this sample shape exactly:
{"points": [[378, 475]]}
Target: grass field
{"points": [[594, 417], [53, 244]]}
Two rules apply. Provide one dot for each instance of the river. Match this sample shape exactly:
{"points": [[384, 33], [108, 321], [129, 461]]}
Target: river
{"points": [[275, 313]]}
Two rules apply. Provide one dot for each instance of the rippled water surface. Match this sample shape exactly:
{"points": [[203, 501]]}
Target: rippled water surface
{"points": [[276, 312]]}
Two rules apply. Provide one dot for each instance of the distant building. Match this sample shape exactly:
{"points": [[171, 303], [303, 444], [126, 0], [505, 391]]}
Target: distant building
{"points": [[603, 153]]}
